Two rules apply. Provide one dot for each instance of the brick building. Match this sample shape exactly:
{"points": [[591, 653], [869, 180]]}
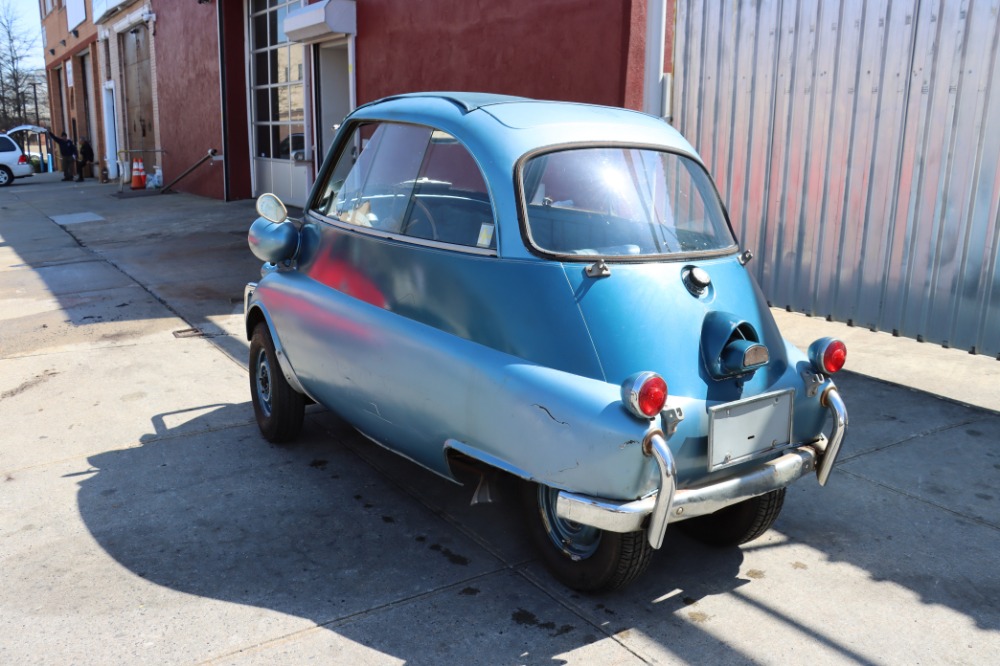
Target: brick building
{"points": [[264, 83]]}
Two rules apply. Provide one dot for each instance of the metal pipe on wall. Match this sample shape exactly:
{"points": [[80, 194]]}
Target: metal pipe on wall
{"points": [[656, 35]]}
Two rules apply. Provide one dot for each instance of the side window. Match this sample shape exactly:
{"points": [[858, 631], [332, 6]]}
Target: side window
{"points": [[6, 145], [377, 188], [410, 180]]}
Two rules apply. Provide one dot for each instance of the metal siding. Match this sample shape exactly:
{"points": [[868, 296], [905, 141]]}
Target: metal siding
{"points": [[855, 146]]}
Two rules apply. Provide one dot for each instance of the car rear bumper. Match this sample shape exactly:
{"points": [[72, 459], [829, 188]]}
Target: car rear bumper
{"points": [[670, 504]]}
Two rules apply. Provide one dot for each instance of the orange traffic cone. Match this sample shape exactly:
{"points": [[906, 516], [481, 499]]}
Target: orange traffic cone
{"points": [[142, 173], [137, 183]]}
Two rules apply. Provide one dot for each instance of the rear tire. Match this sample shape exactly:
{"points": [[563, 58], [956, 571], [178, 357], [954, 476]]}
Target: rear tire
{"points": [[278, 407], [581, 557], [6, 176], [739, 523]]}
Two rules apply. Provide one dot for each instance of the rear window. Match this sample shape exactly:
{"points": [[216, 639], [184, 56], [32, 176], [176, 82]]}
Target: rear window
{"points": [[621, 202]]}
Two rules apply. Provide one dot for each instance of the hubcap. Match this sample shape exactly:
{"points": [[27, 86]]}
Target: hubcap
{"points": [[575, 540], [263, 375]]}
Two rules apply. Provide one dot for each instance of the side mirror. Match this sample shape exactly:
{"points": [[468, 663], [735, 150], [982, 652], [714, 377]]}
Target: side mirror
{"points": [[270, 208]]}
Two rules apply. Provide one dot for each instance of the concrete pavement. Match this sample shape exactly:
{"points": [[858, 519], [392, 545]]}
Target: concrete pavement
{"points": [[144, 520]]}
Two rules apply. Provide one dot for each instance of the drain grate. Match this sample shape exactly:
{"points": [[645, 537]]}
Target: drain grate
{"points": [[189, 333]]}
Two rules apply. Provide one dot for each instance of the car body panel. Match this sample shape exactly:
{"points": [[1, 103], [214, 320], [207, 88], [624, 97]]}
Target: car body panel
{"points": [[429, 386]]}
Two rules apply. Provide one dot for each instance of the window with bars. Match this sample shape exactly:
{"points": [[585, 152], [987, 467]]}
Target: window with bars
{"points": [[277, 74]]}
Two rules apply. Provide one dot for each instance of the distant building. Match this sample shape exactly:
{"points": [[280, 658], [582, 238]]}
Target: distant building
{"points": [[265, 82]]}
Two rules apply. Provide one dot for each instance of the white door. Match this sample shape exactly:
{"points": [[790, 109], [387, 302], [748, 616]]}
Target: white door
{"points": [[277, 75]]}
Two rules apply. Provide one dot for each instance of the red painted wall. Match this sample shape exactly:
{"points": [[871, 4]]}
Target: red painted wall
{"points": [[577, 50], [668, 56], [236, 126], [187, 83]]}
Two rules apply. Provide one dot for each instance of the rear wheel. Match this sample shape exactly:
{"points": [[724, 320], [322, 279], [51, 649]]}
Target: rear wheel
{"points": [[278, 407], [579, 556], [6, 176], [738, 523]]}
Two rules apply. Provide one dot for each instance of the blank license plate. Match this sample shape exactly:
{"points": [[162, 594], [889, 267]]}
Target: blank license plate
{"points": [[743, 430]]}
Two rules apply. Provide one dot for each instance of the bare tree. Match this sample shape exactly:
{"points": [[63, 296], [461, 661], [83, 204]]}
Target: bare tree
{"points": [[16, 44]]}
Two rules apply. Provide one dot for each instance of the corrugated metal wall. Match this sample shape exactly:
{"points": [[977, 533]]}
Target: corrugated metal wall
{"points": [[857, 147]]}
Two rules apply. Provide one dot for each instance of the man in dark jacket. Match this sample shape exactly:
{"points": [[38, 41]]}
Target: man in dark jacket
{"points": [[67, 152], [86, 156]]}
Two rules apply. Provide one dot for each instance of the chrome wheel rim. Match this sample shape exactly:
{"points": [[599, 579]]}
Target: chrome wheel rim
{"points": [[263, 382], [576, 541]]}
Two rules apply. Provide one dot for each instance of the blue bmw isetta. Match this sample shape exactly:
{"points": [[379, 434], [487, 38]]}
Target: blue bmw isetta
{"points": [[548, 291]]}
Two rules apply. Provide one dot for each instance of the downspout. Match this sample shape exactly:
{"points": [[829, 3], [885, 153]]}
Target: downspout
{"points": [[351, 78], [222, 96], [654, 91]]}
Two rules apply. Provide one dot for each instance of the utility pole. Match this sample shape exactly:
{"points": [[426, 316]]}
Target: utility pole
{"points": [[34, 91], [38, 123]]}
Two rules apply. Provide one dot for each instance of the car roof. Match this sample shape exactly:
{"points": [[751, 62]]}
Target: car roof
{"points": [[509, 126], [466, 101]]}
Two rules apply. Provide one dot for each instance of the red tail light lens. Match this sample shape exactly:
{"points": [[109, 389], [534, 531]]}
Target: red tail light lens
{"points": [[835, 356], [828, 355], [644, 394], [22, 159]]}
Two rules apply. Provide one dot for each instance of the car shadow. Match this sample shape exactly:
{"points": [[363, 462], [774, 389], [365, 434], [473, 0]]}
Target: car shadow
{"points": [[367, 545], [333, 528]]}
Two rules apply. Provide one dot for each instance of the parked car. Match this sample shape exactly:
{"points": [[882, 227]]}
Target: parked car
{"points": [[13, 162], [515, 284]]}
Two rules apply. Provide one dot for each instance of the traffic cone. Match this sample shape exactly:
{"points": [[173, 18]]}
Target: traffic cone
{"points": [[137, 183], [142, 173]]}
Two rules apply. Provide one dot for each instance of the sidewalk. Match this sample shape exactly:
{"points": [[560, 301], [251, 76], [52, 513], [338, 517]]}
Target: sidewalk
{"points": [[144, 520], [948, 373]]}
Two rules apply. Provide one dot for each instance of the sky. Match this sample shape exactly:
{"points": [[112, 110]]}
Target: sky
{"points": [[31, 22]]}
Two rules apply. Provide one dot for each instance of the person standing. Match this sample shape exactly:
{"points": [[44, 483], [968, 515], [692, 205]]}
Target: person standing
{"points": [[67, 153], [85, 156]]}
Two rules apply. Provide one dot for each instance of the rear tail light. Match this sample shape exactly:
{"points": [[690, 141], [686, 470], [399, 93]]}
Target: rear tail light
{"points": [[828, 355], [22, 159], [644, 394]]}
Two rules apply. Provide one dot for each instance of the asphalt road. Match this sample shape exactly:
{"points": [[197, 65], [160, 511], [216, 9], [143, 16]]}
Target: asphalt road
{"points": [[144, 520]]}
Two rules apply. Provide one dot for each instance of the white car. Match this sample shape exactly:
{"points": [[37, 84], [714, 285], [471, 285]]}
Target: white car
{"points": [[13, 162]]}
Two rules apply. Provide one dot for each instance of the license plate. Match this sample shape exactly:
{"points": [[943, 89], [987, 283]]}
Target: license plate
{"points": [[746, 429]]}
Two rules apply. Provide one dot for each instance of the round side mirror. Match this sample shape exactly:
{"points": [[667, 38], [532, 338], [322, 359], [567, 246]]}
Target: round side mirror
{"points": [[270, 208]]}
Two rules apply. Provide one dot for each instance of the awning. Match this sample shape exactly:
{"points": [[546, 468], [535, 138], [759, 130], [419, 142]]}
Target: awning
{"points": [[321, 21], [105, 9]]}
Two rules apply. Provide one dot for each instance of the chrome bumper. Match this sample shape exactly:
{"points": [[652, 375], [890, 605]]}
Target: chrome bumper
{"points": [[670, 504]]}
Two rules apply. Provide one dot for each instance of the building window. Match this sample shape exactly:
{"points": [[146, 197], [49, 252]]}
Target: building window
{"points": [[277, 81]]}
